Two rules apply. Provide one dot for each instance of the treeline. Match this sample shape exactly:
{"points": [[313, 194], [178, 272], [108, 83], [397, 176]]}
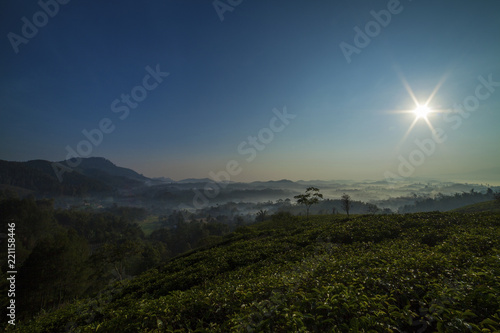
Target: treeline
{"points": [[444, 203], [183, 232], [62, 255], [245, 211]]}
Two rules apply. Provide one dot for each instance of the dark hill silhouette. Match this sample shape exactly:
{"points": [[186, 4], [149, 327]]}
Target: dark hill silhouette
{"points": [[447, 202], [39, 176], [92, 176], [89, 165]]}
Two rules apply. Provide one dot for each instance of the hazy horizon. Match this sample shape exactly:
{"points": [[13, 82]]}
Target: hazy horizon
{"points": [[256, 90], [487, 177]]}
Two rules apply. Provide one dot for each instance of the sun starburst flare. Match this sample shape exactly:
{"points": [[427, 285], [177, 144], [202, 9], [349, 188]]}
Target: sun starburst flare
{"points": [[421, 111]]}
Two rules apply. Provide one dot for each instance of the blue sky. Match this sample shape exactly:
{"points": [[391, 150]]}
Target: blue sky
{"points": [[226, 77]]}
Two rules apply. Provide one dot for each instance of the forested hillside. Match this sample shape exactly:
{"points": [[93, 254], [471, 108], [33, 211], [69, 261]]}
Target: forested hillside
{"points": [[40, 178], [94, 175], [382, 273], [62, 255]]}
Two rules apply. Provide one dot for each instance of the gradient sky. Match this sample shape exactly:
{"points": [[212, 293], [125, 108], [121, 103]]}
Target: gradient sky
{"points": [[226, 77]]}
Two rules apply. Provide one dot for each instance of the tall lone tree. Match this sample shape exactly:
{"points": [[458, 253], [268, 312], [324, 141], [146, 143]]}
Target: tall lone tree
{"points": [[346, 203], [497, 197], [310, 198], [261, 215]]}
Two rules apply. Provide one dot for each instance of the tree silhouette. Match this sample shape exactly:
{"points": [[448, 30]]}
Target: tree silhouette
{"points": [[497, 197], [117, 256], [310, 198], [346, 203], [372, 209], [54, 272], [261, 215]]}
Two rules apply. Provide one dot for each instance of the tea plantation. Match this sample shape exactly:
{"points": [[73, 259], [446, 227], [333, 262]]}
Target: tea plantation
{"points": [[429, 272]]}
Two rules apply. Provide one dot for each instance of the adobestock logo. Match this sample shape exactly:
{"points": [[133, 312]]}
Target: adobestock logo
{"points": [[372, 29], [427, 147], [122, 105], [29, 29], [221, 7], [249, 148]]}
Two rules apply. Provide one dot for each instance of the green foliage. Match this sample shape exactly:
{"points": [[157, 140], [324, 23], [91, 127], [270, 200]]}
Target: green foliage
{"points": [[118, 256], [131, 214], [346, 203], [497, 197], [99, 227], [54, 272], [66, 254], [375, 273], [488, 206], [186, 235], [34, 220], [261, 215], [457, 201], [309, 198]]}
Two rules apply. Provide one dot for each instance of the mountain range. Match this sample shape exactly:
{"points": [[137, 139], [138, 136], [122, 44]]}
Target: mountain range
{"points": [[93, 175], [99, 176]]}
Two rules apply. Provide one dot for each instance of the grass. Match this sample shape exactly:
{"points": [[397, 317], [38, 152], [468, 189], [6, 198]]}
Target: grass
{"points": [[149, 224]]}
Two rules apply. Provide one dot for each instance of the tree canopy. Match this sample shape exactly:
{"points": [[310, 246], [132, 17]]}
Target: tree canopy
{"points": [[311, 197]]}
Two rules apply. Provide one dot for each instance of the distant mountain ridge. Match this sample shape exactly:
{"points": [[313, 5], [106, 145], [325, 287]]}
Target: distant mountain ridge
{"points": [[89, 165], [194, 180], [39, 176], [93, 175]]}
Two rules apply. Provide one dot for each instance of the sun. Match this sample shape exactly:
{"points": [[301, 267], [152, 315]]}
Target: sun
{"points": [[422, 111]]}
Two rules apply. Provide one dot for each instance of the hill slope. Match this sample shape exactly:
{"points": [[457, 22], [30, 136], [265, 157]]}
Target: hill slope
{"points": [[394, 273], [101, 164], [92, 175], [488, 206], [39, 176]]}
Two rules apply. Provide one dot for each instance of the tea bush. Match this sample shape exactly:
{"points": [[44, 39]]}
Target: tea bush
{"points": [[390, 273]]}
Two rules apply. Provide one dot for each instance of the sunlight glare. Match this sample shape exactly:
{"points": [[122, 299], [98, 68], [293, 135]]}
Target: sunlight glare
{"points": [[422, 111]]}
